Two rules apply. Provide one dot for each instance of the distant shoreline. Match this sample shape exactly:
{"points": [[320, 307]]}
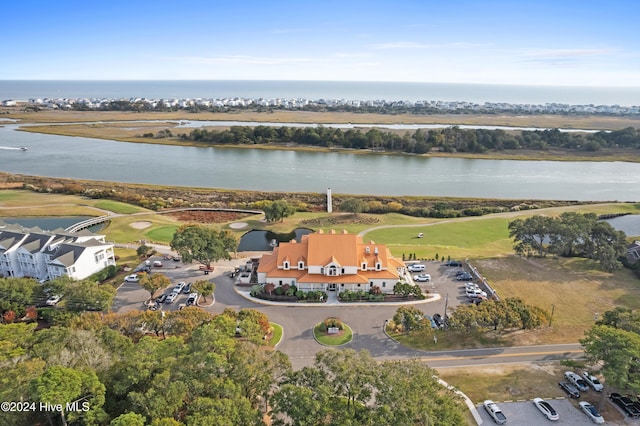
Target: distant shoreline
{"points": [[117, 126]]}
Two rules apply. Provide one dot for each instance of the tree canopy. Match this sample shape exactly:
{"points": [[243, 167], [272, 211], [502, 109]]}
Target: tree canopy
{"points": [[203, 244], [278, 210], [571, 234]]}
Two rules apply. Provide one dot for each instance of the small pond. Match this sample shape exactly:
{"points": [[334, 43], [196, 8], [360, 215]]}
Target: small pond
{"points": [[629, 224], [50, 223], [260, 240]]}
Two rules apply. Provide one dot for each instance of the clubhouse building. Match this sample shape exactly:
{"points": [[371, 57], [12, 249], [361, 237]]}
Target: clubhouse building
{"points": [[331, 262]]}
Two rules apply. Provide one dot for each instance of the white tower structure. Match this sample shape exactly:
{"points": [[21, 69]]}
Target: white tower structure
{"points": [[329, 206]]}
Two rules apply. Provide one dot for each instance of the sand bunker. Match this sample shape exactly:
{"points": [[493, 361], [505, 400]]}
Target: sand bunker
{"points": [[140, 225], [238, 225]]}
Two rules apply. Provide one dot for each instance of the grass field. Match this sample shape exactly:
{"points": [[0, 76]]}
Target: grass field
{"points": [[118, 207], [277, 334]]}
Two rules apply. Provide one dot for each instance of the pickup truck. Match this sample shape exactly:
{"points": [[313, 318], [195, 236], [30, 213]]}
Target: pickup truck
{"points": [[495, 412]]}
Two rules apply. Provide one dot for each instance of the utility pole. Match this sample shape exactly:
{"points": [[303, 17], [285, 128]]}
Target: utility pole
{"points": [[553, 308], [446, 302]]}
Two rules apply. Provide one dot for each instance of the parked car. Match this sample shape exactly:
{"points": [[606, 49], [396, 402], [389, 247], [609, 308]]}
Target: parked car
{"points": [[53, 300], [192, 299], [592, 381], [179, 287], [431, 321], [577, 381], [133, 278], [162, 298], [453, 263], [546, 409], [471, 286], [625, 403], [464, 277], [177, 258], [416, 267], [437, 318], [171, 297], [187, 288], [591, 412], [422, 278], [157, 263], [495, 412], [472, 294], [570, 389]]}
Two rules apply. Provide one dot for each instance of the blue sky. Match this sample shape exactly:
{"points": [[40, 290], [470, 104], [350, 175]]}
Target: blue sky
{"points": [[559, 42]]}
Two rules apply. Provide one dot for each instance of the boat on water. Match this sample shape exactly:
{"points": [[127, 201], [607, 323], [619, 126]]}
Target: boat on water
{"points": [[23, 148]]}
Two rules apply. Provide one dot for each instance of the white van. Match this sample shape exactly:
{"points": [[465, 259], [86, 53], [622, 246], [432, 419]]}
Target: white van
{"points": [[416, 268]]}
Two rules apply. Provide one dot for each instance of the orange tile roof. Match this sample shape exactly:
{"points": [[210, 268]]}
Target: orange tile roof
{"points": [[321, 249]]}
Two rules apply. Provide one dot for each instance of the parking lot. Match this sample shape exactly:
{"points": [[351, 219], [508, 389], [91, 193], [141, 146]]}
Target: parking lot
{"points": [[524, 413]]}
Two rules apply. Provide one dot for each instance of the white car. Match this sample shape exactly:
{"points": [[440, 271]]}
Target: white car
{"points": [[192, 299], [592, 381], [546, 409], [133, 278], [422, 278], [179, 287], [495, 412], [577, 381], [415, 268], [171, 297], [53, 300], [471, 286], [591, 412], [471, 294]]}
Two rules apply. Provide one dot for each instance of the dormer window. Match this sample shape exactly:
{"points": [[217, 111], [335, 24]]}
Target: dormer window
{"points": [[378, 266], [301, 265], [332, 271], [367, 250], [286, 265], [363, 266]]}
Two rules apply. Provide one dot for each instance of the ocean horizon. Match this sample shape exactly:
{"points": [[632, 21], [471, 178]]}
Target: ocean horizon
{"points": [[314, 90]]}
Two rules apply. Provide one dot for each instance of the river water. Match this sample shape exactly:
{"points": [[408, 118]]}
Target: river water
{"points": [[300, 171]]}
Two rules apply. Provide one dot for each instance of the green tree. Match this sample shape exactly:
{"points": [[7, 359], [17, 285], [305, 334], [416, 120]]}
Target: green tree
{"points": [[60, 385], [278, 210], [203, 244], [410, 318], [142, 250], [530, 234], [354, 205], [619, 351], [128, 419], [87, 295], [204, 288], [154, 282], [16, 294]]}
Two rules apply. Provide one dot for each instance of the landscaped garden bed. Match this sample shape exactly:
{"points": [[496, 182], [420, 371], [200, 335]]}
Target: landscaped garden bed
{"points": [[287, 293], [332, 332]]}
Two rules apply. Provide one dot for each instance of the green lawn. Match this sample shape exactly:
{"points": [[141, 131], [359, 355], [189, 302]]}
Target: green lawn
{"points": [[118, 207], [277, 334], [163, 234], [459, 239], [333, 339]]}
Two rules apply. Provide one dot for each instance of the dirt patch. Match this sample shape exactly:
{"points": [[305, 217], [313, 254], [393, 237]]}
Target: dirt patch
{"points": [[140, 225], [208, 216]]}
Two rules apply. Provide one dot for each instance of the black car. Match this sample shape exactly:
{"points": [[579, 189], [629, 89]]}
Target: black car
{"points": [[571, 390], [187, 288], [453, 263], [162, 298], [465, 276], [437, 318], [626, 404]]}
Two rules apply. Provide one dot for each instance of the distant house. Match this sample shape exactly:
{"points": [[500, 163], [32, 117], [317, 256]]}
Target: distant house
{"points": [[633, 251], [331, 262], [34, 253]]}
